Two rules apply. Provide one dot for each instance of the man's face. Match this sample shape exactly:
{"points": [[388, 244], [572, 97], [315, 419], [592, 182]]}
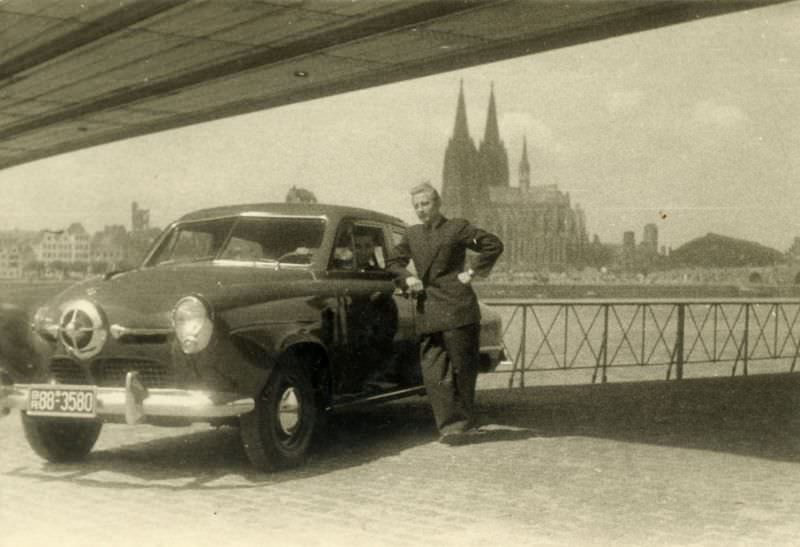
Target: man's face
{"points": [[365, 250], [426, 207]]}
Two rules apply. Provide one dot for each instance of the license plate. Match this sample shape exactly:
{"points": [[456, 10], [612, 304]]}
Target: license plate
{"points": [[64, 401]]}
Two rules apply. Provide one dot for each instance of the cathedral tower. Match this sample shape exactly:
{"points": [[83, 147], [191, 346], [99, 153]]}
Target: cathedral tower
{"points": [[492, 154], [537, 224], [460, 184]]}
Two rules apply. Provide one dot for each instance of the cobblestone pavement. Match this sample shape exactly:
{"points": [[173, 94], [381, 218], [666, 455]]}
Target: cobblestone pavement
{"points": [[698, 463]]}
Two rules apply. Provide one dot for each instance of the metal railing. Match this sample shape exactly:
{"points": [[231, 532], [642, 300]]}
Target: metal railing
{"points": [[598, 335]]}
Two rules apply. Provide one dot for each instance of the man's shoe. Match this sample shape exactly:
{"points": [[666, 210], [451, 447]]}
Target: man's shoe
{"points": [[450, 439], [462, 437]]}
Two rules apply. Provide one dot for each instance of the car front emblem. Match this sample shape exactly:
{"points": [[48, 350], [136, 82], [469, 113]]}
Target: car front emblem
{"points": [[82, 329]]}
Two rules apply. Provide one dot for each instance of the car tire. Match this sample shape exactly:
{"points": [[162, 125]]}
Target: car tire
{"points": [[278, 432], [59, 440]]}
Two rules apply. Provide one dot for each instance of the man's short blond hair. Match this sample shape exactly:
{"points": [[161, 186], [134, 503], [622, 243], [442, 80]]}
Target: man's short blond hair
{"points": [[426, 188]]}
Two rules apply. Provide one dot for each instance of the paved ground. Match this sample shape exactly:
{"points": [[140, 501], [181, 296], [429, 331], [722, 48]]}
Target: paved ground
{"points": [[701, 463]]}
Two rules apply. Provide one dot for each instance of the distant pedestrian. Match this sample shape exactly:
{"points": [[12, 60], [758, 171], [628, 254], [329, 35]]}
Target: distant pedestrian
{"points": [[448, 315]]}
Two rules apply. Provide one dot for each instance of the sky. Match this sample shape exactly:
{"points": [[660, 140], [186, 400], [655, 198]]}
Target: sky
{"points": [[694, 127]]}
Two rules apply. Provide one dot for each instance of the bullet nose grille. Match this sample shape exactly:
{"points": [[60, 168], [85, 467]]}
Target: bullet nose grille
{"points": [[68, 372], [111, 373]]}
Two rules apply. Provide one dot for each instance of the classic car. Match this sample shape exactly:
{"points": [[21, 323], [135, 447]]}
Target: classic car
{"points": [[264, 316]]}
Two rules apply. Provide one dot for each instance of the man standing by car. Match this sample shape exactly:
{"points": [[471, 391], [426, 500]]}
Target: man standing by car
{"points": [[448, 315]]}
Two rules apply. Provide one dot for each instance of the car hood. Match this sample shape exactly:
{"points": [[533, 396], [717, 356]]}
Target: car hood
{"points": [[146, 297]]}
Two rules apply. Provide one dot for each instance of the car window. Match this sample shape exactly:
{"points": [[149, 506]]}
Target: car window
{"points": [[239, 248], [271, 239], [358, 247], [288, 240], [192, 242]]}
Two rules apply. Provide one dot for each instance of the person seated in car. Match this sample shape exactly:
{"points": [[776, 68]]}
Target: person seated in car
{"points": [[365, 253], [343, 256], [374, 320]]}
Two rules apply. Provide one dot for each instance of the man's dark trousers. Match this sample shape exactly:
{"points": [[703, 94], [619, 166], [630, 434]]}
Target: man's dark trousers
{"points": [[449, 363]]}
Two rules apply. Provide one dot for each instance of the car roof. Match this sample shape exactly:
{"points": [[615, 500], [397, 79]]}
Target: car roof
{"points": [[333, 212]]}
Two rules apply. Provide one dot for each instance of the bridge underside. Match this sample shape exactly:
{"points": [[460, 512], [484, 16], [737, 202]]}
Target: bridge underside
{"points": [[76, 74]]}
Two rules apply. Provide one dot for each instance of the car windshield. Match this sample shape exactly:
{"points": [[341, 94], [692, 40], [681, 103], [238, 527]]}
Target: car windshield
{"points": [[248, 239]]}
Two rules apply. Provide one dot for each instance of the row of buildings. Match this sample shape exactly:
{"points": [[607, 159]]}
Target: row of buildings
{"points": [[46, 253], [631, 256]]}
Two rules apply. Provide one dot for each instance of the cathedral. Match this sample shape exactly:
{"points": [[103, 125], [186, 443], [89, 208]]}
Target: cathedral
{"points": [[539, 227]]}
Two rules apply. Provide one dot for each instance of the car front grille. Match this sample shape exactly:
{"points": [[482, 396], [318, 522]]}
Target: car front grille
{"points": [[111, 373], [68, 372]]}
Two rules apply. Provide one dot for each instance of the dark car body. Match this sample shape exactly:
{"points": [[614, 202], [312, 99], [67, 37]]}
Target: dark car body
{"points": [[261, 314]]}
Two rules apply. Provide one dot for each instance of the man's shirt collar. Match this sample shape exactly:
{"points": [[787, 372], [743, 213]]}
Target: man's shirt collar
{"points": [[439, 221]]}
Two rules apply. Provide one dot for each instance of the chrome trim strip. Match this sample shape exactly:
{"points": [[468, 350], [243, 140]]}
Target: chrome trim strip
{"points": [[115, 401], [268, 264], [264, 214], [380, 397], [245, 214], [118, 331]]}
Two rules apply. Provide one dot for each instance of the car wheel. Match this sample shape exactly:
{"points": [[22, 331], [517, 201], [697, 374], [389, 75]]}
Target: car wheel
{"points": [[278, 432], [60, 440]]}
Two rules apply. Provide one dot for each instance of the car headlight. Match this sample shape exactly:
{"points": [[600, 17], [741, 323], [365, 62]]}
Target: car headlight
{"points": [[193, 323]]}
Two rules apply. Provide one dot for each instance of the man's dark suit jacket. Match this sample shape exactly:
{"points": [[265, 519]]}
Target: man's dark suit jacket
{"points": [[439, 254]]}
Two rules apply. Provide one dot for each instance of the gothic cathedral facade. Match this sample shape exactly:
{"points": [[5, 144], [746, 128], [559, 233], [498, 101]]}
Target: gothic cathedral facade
{"points": [[539, 227]]}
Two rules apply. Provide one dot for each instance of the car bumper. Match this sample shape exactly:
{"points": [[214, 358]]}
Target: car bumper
{"points": [[136, 403]]}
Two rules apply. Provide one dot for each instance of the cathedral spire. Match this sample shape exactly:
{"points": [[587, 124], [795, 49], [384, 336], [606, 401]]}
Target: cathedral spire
{"points": [[493, 158], [492, 132], [461, 189], [524, 166], [461, 129]]}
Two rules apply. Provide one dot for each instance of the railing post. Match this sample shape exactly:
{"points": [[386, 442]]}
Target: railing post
{"points": [[746, 341], [775, 332], [524, 345], [566, 332], [714, 357], [643, 308], [602, 356], [518, 357], [605, 344], [679, 342]]}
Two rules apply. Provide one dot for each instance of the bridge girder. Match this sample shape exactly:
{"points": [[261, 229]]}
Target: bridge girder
{"points": [[78, 74]]}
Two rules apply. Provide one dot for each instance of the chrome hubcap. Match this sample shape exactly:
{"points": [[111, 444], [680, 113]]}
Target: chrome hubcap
{"points": [[289, 411]]}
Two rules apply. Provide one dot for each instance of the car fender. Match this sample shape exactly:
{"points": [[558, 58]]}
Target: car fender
{"points": [[266, 345]]}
